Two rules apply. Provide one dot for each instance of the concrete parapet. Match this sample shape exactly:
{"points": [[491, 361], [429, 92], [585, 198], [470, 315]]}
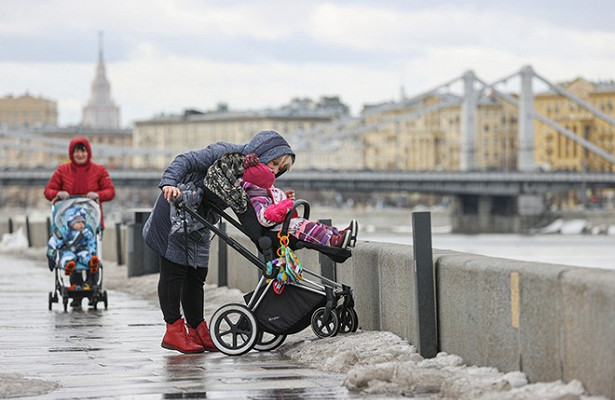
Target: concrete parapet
{"points": [[549, 321], [500, 313], [109, 244], [588, 329], [397, 290], [361, 272], [38, 233], [473, 303]]}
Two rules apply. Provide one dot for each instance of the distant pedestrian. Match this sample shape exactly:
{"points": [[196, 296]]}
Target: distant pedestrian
{"points": [[80, 177]]}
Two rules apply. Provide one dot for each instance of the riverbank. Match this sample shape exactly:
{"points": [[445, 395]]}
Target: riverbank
{"points": [[387, 221]]}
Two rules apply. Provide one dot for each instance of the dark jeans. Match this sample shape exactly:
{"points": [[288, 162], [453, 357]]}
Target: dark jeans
{"points": [[179, 284]]}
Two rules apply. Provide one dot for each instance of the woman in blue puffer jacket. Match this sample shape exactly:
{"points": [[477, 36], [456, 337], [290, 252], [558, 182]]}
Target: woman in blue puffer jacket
{"points": [[184, 259]]}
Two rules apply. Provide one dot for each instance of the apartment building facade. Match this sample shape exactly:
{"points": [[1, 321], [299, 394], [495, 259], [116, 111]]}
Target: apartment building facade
{"points": [[169, 135], [559, 152], [26, 111], [405, 138]]}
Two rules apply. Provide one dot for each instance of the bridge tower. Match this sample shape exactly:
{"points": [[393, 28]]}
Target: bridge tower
{"points": [[467, 155], [525, 159]]}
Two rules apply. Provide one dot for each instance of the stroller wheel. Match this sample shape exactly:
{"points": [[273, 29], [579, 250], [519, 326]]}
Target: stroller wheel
{"points": [[348, 319], [105, 299], [268, 341], [50, 300], [234, 330], [325, 328]]}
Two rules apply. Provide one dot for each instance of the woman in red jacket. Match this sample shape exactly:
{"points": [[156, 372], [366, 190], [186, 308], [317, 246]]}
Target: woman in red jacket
{"points": [[80, 177]]}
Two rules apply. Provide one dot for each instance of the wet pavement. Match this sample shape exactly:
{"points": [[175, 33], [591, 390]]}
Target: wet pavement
{"points": [[116, 353]]}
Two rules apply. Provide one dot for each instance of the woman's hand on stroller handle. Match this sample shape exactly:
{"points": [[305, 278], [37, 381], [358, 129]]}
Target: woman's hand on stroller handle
{"points": [[61, 195], [171, 193], [93, 196]]}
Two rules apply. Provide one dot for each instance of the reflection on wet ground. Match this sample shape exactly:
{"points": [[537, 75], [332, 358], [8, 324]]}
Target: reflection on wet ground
{"points": [[116, 353]]}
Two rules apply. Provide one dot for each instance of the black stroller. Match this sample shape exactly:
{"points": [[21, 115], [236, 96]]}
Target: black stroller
{"points": [[95, 293], [269, 315]]}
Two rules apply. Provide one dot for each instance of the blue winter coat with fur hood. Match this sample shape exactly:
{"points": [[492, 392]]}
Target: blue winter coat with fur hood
{"points": [[193, 249]]}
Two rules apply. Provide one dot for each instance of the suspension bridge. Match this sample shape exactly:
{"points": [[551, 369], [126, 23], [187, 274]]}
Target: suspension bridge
{"points": [[484, 193]]}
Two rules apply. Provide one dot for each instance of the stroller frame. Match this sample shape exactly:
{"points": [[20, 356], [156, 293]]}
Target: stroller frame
{"points": [[236, 328], [96, 293]]}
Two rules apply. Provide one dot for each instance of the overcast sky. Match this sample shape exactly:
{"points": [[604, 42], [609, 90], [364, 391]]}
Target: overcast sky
{"points": [[167, 55]]}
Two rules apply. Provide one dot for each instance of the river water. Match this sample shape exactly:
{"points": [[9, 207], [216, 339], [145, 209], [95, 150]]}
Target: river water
{"points": [[394, 226], [578, 249], [581, 250]]}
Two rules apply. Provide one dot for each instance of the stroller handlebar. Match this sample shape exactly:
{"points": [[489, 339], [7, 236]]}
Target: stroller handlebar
{"points": [[296, 204]]}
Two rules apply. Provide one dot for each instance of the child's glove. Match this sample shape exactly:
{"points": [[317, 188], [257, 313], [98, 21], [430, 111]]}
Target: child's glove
{"points": [[277, 212]]}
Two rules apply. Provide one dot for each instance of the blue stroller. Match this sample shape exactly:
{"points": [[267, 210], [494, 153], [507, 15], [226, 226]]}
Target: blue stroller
{"points": [[89, 210]]}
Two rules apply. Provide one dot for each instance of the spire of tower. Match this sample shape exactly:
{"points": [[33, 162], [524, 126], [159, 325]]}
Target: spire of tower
{"points": [[101, 111], [100, 47]]}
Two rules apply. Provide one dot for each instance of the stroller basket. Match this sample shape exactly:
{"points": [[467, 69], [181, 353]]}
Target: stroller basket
{"points": [[288, 312]]}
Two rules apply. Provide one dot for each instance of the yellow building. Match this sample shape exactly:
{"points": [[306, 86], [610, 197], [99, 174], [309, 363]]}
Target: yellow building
{"points": [[558, 152], [425, 135], [401, 136], [27, 111]]}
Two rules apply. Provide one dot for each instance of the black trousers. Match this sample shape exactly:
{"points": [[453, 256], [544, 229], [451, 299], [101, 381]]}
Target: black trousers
{"points": [[181, 285]]}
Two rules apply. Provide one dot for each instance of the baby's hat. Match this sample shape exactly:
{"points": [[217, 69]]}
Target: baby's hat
{"points": [[256, 172], [76, 216]]}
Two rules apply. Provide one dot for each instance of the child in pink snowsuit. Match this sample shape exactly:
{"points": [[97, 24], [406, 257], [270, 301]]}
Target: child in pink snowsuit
{"points": [[272, 204]]}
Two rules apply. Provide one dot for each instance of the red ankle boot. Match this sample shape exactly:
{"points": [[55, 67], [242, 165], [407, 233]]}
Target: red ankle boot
{"points": [[69, 267], [176, 338], [94, 263], [201, 336]]}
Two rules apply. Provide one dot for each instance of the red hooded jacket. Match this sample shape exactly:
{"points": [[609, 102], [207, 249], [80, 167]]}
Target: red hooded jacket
{"points": [[81, 179]]}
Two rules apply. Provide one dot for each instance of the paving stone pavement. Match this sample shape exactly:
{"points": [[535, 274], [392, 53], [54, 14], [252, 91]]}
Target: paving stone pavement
{"points": [[116, 353]]}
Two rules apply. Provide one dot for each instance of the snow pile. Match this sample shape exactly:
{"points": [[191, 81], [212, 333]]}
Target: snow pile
{"points": [[16, 385], [13, 241], [381, 363], [574, 227]]}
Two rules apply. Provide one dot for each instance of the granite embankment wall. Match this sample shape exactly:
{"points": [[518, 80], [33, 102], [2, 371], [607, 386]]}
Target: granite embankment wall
{"points": [[549, 321]]}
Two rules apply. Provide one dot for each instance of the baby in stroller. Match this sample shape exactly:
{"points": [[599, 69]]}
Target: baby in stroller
{"points": [[73, 247], [76, 245], [271, 206]]}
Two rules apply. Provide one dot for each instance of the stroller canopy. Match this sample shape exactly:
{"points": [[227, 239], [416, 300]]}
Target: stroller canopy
{"points": [[63, 210]]}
